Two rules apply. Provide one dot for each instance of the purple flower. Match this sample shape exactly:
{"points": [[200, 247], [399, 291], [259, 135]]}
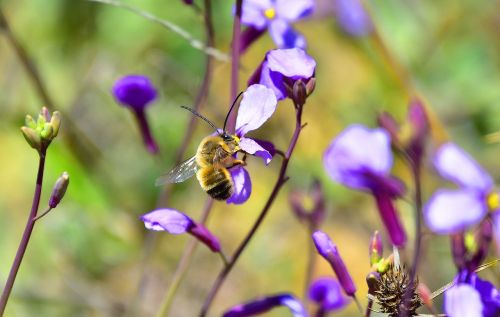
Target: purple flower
{"points": [[326, 293], [276, 16], [136, 92], [328, 250], [361, 158], [453, 210], [472, 296], [264, 304], [282, 68], [256, 107], [352, 17], [175, 222]]}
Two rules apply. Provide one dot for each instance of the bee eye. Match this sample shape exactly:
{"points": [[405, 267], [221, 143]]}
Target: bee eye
{"points": [[227, 137]]}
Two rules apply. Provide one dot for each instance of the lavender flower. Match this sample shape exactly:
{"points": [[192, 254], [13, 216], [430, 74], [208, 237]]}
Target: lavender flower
{"points": [[328, 250], [275, 16], [471, 297], [452, 210], [256, 107], [175, 222], [136, 92], [264, 304], [282, 68], [326, 293], [352, 17], [361, 158]]}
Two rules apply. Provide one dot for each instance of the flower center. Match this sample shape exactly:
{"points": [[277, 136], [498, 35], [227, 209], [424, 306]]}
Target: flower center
{"points": [[493, 201], [270, 13]]}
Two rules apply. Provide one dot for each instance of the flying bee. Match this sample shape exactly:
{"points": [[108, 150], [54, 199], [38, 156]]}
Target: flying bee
{"points": [[211, 162]]}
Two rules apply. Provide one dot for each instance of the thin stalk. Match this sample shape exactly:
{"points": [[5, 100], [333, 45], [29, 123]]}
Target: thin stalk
{"points": [[26, 235], [418, 219], [181, 152], [182, 266], [235, 63], [282, 178], [368, 310], [358, 304]]}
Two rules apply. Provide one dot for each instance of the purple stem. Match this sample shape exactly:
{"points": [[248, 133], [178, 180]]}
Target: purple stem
{"points": [[282, 178], [147, 137], [26, 235], [235, 64]]}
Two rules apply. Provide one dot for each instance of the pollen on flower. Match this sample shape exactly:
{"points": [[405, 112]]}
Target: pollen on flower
{"points": [[493, 201], [270, 13]]}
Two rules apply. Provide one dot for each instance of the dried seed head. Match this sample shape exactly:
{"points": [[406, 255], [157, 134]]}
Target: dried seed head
{"points": [[396, 295]]}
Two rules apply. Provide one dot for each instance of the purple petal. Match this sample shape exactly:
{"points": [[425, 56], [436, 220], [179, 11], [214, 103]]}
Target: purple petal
{"points": [[242, 185], [293, 10], [356, 153], [262, 305], [250, 35], [252, 147], [352, 17], [284, 36], [390, 218], [293, 63], [257, 105], [169, 220], [326, 292], [272, 80], [456, 165], [490, 296], [253, 13], [449, 211], [496, 228], [134, 91], [204, 235], [268, 146], [463, 300]]}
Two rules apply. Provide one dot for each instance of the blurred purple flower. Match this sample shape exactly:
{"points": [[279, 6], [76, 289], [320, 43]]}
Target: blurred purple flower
{"points": [[175, 222], [275, 16], [361, 158], [472, 296], [257, 106], [188, 2], [136, 92], [376, 248], [328, 250], [452, 210], [281, 68], [352, 17], [264, 304], [326, 293], [311, 214]]}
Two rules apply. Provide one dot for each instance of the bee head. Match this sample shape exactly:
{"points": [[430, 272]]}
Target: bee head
{"points": [[231, 140]]}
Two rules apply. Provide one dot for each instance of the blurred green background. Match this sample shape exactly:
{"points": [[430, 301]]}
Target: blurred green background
{"points": [[87, 256]]}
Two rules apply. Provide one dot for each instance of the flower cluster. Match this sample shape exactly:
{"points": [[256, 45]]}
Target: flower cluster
{"points": [[40, 133]]}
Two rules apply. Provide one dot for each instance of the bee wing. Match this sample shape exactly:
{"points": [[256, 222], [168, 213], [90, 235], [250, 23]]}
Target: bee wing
{"points": [[179, 173]]}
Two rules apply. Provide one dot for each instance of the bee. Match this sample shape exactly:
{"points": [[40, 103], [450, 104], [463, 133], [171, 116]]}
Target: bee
{"points": [[213, 158]]}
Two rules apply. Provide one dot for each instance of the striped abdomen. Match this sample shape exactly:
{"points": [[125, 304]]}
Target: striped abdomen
{"points": [[216, 182]]}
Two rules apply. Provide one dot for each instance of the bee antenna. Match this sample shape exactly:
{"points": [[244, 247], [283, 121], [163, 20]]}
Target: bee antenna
{"points": [[202, 117], [231, 109]]}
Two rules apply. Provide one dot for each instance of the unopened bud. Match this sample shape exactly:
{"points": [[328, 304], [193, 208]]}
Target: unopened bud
{"points": [[483, 237], [376, 248], [45, 114], [299, 92], [310, 86], [47, 132], [59, 190], [372, 280], [32, 137], [55, 122], [30, 122], [458, 250]]}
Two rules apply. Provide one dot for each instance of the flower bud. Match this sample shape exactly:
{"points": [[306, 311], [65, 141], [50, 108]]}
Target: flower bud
{"points": [[299, 92], [55, 122], [59, 190], [204, 235], [329, 251], [29, 122], [376, 248], [458, 250], [310, 86], [372, 280], [309, 208], [32, 137], [44, 112]]}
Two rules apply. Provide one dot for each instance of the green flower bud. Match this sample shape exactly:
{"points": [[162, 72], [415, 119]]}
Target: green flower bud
{"points": [[32, 137], [47, 132], [30, 122], [55, 122]]}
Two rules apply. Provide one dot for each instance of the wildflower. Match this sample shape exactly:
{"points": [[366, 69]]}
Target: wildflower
{"points": [[282, 69], [352, 17], [328, 250], [410, 137], [453, 210], [136, 92], [326, 293], [40, 133], [361, 158], [175, 222], [275, 16], [256, 107], [311, 208], [264, 304], [472, 296]]}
